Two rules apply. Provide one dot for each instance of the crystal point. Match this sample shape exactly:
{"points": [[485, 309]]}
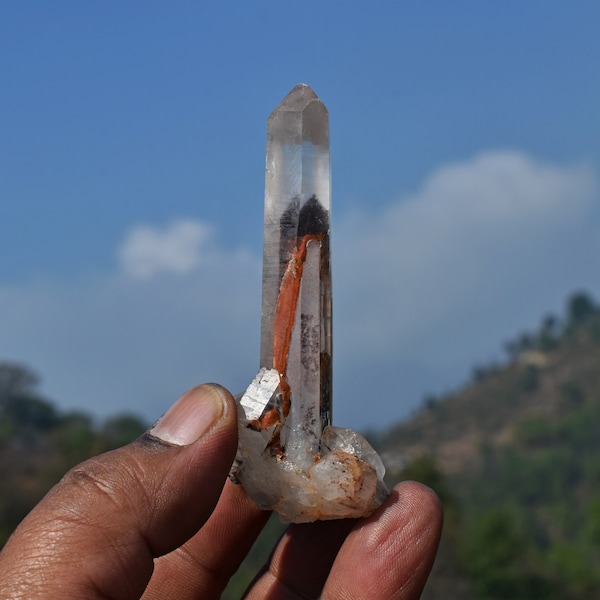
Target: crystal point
{"points": [[290, 458]]}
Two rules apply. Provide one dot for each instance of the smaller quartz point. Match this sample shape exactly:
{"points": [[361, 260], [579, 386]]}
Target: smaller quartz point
{"points": [[290, 458]]}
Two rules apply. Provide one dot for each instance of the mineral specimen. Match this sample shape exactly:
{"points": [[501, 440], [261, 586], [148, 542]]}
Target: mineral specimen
{"points": [[290, 458]]}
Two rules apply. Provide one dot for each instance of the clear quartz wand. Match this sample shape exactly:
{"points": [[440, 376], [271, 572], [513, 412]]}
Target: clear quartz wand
{"points": [[290, 458]]}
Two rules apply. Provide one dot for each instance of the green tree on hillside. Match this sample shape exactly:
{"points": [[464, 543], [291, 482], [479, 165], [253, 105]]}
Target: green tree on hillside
{"points": [[39, 443], [580, 308]]}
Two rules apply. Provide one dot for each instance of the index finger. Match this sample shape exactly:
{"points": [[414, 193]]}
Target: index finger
{"points": [[387, 555], [390, 554]]}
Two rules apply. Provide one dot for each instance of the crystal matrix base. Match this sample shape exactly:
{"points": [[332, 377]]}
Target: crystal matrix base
{"points": [[344, 479]]}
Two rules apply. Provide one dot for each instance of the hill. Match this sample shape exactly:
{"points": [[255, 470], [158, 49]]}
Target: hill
{"points": [[539, 385], [514, 454]]}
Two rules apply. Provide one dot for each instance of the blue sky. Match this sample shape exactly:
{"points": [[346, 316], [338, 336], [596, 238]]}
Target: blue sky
{"points": [[465, 160]]}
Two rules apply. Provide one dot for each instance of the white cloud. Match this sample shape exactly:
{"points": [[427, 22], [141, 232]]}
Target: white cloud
{"points": [[440, 278], [471, 222], [422, 289], [180, 248], [135, 338]]}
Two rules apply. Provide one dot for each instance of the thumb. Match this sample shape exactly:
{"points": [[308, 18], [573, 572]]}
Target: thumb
{"points": [[96, 533]]}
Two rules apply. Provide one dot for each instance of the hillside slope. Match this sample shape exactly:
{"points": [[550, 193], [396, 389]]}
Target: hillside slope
{"points": [[515, 456], [491, 411]]}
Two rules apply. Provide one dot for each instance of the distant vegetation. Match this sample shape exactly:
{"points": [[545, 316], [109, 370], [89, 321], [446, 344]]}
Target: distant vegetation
{"points": [[39, 443], [514, 455]]}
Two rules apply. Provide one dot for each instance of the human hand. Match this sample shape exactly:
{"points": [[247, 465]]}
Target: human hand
{"points": [[158, 519]]}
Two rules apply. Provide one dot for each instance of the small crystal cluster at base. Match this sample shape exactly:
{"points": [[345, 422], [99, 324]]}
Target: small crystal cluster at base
{"points": [[344, 480]]}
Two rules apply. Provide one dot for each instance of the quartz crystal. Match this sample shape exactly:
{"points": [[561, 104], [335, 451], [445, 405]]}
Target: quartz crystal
{"points": [[290, 458]]}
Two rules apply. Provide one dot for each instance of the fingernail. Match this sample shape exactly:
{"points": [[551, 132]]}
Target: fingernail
{"points": [[190, 417]]}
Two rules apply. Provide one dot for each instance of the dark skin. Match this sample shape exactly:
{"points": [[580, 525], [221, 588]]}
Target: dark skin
{"points": [[159, 519]]}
